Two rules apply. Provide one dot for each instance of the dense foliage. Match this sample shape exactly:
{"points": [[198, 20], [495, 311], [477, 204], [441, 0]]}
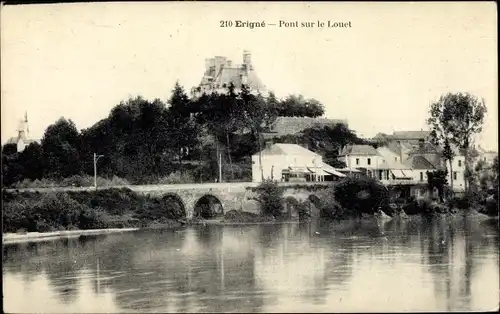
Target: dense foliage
{"points": [[145, 141], [270, 198], [455, 119], [41, 212], [360, 195], [437, 180]]}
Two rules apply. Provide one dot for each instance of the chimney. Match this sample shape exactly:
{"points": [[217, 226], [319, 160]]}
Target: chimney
{"points": [[268, 144], [421, 143], [247, 57], [229, 63]]}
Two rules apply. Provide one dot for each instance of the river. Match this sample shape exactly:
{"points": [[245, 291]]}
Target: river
{"points": [[316, 267]]}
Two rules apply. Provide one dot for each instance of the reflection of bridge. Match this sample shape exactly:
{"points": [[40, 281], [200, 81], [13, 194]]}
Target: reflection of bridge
{"points": [[192, 198]]}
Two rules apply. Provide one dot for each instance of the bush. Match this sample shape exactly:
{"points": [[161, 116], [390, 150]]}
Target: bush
{"points": [[41, 212], [29, 184], [425, 206], [177, 178], [240, 216], [270, 198], [303, 208], [154, 209], [459, 202], [73, 181], [116, 201], [491, 206], [360, 195]]}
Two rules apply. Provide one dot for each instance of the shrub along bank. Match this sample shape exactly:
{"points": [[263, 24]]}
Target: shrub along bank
{"points": [[111, 208]]}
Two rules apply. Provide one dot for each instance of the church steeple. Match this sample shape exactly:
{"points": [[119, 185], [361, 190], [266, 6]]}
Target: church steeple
{"points": [[26, 122], [23, 129]]}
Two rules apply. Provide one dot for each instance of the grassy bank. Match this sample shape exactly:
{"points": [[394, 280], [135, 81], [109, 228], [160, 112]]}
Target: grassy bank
{"points": [[103, 209]]}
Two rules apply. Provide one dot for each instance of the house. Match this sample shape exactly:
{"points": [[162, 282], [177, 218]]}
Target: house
{"points": [[412, 144], [486, 156], [291, 162], [419, 166], [364, 157], [220, 73], [410, 137], [22, 139]]}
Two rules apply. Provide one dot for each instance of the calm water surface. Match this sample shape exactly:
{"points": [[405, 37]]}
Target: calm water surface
{"points": [[317, 267]]}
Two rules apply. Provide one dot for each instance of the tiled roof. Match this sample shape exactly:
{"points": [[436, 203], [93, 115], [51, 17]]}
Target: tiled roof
{"points": [[418, 162], [360, 150], [426, 148], [409, 135], [294, 125], [394, 147], [389, 164], [287, 149]]}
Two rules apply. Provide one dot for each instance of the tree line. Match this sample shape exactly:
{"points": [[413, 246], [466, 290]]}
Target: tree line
{"points": [[142, 140]]}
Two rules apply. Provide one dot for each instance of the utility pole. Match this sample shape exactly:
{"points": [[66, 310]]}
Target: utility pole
{"points": [[220, 167], [96, 158]]}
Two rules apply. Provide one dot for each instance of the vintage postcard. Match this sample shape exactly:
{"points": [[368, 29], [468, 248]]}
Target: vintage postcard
{"points": [[249, 157]]}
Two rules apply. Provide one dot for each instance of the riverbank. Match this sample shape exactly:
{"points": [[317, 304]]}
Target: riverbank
{"points": [[11, 238]]}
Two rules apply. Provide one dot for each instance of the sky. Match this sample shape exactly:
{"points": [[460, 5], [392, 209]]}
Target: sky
{"points": [[381, 74]]}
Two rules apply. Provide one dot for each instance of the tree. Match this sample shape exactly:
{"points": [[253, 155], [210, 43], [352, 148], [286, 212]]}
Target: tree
{"points": [[61, 149], [12, 170], [437, 179], [134, 139], [456, 118], [32, 160], [360, 195], [182, 127], [258, 116], [270, 197], [298, 106], [222, 117]]}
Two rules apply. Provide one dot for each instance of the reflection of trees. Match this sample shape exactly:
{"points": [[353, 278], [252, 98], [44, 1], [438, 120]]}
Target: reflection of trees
{"points": [[213, 268], [176, 277], [453, 248], [63, 271]]}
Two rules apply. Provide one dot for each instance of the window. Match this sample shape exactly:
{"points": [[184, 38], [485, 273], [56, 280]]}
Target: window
{"points": [[369, 161], [357, 161], [460, 163], [454, 175], [396, 159], [421, 176]]}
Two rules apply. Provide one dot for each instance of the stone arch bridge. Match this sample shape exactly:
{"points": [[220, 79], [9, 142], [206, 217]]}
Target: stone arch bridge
{"points": [[231, 196], [222, 196]]}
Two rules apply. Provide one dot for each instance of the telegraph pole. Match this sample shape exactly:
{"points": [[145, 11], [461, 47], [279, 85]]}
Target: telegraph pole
{"points": [[96, 158], [220, 167]]}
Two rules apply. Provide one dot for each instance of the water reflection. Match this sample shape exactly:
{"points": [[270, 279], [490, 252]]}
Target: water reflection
{"points": [[321, 266]]}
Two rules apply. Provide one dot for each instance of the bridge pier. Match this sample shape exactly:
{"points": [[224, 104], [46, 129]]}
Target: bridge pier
{"points": [[189, 207]]}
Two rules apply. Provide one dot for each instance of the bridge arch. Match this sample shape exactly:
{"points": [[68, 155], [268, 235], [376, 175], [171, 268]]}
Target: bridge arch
{"points": [[175, 205], [208, 206], [314, 200]]}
